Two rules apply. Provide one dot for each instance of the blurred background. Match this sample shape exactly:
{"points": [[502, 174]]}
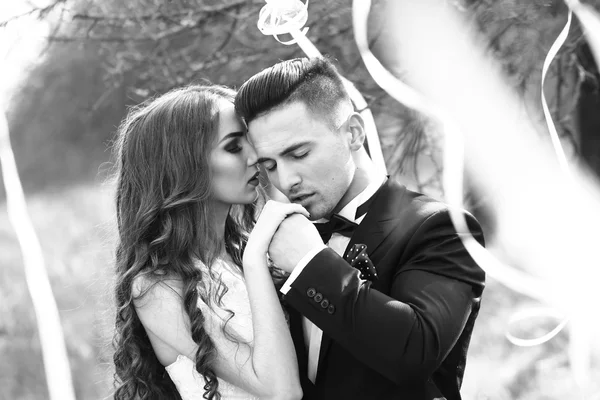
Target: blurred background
{"points": [[70, 68]]}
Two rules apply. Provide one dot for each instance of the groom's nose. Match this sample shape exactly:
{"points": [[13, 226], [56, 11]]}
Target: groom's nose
{"points": [[287, 178]]}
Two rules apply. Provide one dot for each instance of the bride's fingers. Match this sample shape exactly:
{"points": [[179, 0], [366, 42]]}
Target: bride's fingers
{"points": [[295, 209], [279, 211], [271, 217]]}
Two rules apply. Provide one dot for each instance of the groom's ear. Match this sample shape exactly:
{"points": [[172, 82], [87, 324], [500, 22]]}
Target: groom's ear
{"points": [[356, 128]]}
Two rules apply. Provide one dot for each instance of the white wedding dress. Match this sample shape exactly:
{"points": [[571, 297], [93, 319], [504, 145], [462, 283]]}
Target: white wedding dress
{"points": [[189, 383]]}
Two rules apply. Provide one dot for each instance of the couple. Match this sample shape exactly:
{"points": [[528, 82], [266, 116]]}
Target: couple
{"points": [[379, 297]]}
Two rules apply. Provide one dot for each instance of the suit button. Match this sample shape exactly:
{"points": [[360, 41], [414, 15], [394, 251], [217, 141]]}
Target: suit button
{"points": [[318, 297], [311, 292], [331, 309], [325, 303]]}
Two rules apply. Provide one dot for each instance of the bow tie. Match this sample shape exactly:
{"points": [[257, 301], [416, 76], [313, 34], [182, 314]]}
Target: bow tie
{"points": [[337, 224], [341, 225]]}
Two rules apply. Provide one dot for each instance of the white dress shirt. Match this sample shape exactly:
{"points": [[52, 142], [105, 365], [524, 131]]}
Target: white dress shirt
{"points": [[338, 243]]}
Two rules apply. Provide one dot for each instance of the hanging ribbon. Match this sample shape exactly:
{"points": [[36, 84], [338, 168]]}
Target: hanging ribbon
{"points": [[54, 352], [558, 43]]}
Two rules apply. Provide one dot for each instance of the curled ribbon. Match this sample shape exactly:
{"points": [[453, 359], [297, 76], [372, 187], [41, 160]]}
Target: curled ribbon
{"points": [[279, 17], [536, 313]]}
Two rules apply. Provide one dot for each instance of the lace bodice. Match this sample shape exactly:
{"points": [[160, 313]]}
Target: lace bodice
{"points": [[189, 383]]}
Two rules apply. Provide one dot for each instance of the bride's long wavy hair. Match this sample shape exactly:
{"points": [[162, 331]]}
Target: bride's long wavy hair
{"points": [[164, 225]]}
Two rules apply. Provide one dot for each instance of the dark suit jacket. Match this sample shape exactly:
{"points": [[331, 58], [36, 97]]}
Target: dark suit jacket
{"points": [[406, 335]]}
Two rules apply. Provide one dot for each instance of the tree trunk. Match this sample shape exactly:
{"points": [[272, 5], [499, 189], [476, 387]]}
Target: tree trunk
{"points": [[587, 117]]}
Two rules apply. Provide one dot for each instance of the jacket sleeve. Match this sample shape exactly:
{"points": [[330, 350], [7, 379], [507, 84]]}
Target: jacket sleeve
{"points": [[409, 332]]}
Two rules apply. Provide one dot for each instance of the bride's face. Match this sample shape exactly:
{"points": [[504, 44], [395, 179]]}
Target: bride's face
{"points": [[233, 161]]}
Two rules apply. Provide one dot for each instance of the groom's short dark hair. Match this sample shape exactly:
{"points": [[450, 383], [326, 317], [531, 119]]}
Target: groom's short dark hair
{"points": [[312, 81]]}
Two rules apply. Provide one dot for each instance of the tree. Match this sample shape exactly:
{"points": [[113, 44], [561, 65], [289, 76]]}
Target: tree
{"points": [[143, 47]]}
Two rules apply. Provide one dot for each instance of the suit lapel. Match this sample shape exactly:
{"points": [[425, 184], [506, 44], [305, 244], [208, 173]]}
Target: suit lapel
{"points": [[380, 220], [375, 227]]}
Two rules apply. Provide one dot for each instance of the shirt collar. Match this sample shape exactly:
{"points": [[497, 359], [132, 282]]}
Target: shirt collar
{"points": [[349, 210]]}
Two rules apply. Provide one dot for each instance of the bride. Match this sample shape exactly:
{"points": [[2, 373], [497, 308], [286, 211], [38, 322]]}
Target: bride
{"points": [[197, 310]]}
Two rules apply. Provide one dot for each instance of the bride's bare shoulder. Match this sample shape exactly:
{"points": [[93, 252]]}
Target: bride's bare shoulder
{"points": [[147, 288]]}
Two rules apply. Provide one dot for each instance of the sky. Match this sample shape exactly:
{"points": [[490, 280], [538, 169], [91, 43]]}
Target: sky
{"points": [[21, 42]]}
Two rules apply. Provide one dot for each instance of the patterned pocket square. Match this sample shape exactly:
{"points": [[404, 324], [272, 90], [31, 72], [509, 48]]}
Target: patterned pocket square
{"points": [[357, 257]]}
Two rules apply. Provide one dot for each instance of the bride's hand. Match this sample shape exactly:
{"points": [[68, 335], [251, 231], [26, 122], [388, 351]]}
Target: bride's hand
{"points": [[271, 216]]}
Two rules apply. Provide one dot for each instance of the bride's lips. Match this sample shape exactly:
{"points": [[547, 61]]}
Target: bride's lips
{"points": [[254, 180]]}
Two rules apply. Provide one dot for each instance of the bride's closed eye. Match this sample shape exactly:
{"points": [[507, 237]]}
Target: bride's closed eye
{"points": [[233, 147]]}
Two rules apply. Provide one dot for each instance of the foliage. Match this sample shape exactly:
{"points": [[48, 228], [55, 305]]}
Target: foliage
{"points": [[136, 49]]}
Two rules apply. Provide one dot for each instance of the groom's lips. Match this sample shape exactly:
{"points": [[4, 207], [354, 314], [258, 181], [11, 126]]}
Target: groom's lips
{"points": [[300, 198]]}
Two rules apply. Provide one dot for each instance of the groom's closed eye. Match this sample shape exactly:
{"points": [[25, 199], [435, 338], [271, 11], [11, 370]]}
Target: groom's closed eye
{"points": [[270, 165], [296, 151], [300, 154]]}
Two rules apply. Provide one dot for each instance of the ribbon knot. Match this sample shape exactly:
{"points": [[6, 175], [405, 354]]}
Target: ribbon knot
{"points": [[279, 17]]}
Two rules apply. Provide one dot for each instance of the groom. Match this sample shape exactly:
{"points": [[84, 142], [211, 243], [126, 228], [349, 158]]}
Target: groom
{"points": [[397, 326]]}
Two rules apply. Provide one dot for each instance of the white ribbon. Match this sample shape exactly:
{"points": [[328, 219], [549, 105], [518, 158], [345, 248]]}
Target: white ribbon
{"points": [[54, 352], [279, 17], [558, 43]]}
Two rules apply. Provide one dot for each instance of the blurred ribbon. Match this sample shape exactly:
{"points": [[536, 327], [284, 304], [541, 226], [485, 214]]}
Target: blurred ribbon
{"points": [[453, 159], [280, 17], [535, 313], [54, 352], [453, 183], [453, 173]]}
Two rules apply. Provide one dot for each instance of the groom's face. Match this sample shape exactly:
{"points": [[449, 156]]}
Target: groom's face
{"points": [[306, 158]]}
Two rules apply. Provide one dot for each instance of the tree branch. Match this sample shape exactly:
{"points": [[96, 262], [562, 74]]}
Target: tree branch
{"points": [[40, 11]]}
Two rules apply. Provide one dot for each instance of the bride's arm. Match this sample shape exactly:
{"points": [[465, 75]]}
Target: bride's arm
{"points": [[274, 361], [266, 367]]}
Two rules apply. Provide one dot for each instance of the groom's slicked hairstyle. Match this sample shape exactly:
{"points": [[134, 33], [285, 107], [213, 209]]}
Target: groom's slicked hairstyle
{"points": [[312, 81]]}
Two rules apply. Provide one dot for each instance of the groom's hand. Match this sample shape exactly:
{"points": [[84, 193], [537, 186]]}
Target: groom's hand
{"points": [[295, 237]]}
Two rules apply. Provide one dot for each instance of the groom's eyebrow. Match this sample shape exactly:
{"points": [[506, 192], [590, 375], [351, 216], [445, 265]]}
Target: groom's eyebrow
{"points": [[285, 151]]}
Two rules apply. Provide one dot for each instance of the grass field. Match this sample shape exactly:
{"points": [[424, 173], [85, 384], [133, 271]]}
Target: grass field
{"points": [[76, 231]]}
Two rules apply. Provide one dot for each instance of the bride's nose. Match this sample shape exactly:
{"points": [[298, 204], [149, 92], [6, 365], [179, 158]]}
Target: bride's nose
{"points": [[252, 158]]}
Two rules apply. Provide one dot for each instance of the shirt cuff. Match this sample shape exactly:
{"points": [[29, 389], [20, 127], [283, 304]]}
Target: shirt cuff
{"points": [[300, 267]]}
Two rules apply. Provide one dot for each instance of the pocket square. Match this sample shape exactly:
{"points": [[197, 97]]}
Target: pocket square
{"points": [[357, 257]]}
